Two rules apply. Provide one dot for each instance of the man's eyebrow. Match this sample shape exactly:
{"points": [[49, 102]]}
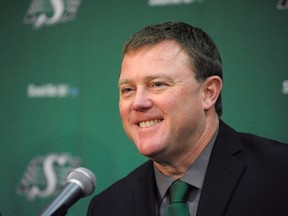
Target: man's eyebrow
{"points": [[147, 78], [124, 81], [158, 76]]}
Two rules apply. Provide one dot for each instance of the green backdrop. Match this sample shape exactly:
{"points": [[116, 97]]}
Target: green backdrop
{"points": [[59, 95]]}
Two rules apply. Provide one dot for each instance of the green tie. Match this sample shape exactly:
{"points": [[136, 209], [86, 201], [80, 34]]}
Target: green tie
{"points": [[178, 193]]}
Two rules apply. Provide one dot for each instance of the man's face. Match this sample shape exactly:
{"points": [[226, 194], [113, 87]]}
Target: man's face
{"points": [[160, 101]]}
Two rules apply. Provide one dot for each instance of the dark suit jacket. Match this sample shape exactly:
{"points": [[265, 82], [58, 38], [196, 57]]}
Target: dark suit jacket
{"points": [[246, 176]]}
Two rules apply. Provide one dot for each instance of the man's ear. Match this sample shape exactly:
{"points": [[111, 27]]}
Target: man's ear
{"points": [[212, 87]]}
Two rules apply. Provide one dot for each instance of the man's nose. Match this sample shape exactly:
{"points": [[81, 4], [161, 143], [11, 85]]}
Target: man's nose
{"points": [[142, 100]]}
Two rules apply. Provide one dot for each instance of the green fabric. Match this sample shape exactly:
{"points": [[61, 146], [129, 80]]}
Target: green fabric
{"points": [[178, 193]]}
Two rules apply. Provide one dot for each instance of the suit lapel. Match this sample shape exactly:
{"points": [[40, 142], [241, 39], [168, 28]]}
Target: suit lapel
{"points": [[144, 193], [223, 173]]}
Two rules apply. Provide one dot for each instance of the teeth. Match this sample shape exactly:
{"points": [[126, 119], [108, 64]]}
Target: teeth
{"points": [[149, 123]]}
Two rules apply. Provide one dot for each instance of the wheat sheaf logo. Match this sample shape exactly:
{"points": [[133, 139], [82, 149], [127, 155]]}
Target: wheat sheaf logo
{"points": [[51, 12], [45, 176]]}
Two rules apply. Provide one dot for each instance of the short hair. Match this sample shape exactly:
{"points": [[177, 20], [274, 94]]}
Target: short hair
{"points": [[203, 53]]}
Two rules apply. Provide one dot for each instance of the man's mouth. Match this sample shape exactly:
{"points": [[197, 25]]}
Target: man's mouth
{"points": [[149, 123]]}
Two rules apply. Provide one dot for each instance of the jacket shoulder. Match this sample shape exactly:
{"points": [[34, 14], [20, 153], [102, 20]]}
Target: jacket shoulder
{"points": [[118, 198], [128, 181], [268, 150]]}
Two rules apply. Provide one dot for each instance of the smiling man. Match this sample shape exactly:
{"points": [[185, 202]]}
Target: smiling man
{"points": [[166, 112], [170, 104]]}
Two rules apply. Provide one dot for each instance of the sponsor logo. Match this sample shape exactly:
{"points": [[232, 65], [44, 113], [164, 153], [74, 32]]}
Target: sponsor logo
{"points": [[171, 2], [282, 5], [285, 87], [51, 12], [51, 90], [46, 175]]}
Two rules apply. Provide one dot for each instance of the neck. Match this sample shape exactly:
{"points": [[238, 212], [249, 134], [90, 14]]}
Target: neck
{"points": [[176, 167]]}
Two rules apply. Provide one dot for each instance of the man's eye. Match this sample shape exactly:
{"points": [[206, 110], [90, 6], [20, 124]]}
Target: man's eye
{"points": [[126, 90], [158, 84]]}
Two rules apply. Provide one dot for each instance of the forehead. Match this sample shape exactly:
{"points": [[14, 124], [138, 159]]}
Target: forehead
{"points": [[162, 58], [162, 49]]}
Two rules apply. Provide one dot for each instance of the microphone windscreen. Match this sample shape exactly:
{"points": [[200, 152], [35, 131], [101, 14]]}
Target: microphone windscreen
{"points": [[84, 178]]}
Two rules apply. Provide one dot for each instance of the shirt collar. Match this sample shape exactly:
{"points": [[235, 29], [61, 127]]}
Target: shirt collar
{"points": [[195, 174]]}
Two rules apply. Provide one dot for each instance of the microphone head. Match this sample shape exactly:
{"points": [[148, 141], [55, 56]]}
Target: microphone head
{"points": [[84, 178]]}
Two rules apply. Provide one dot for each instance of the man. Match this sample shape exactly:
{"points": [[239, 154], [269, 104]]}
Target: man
{"points": [[170, 104]]}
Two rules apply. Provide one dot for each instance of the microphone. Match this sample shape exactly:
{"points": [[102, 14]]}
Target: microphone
{"points": [[81, 182]]}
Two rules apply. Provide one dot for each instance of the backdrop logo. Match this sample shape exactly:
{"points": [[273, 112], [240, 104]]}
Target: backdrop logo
{"points": [[51, 90], [171, 2], [282, 4], [46, 175], [51, 12], [285, 87]]}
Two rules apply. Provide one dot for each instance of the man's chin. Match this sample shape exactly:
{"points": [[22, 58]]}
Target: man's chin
{"points": [[148, 151]]}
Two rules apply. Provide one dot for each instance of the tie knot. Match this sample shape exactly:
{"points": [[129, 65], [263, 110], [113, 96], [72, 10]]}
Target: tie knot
{"points": [[179, 192]]}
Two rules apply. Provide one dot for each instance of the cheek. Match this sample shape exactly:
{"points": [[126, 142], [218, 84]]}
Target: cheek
{"points": [[176, 101], [122, 113], [166, 104], [123, 109], [186, 104]]}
